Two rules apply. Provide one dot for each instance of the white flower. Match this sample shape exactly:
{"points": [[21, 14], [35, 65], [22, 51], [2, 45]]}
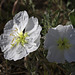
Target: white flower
{"points": [[60, 42], [21, 36]]}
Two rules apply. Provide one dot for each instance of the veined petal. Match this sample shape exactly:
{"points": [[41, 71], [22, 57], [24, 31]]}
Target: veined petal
{"points": [[32, 46], [32, 25], [21, 19], [32, 37], [9, 25], [9, 36], [16, 53], [37, 41], [5, 42]]}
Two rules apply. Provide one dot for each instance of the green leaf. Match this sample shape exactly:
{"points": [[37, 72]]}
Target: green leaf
{"points": [[72, 17]]}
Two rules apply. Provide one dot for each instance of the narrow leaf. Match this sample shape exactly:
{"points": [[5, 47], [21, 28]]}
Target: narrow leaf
{"points": [[72, 17]]}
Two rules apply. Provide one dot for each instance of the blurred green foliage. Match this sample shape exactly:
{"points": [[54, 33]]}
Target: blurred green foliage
{"points": [[72, 17]]}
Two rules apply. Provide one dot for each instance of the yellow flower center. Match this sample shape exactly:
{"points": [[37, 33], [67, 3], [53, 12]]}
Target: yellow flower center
{"points": [[20, 39], [63, 44]]}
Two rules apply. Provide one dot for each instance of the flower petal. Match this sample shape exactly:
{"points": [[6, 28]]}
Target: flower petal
{"points": [[5, 42], [16, 53], [70, 54], [62, 30], [9, 25], [71, 34], [34, 45], [51, 38], [32, 37], [21, 19], [37, 41], [32, 25], [10, 30], [55, 55]]}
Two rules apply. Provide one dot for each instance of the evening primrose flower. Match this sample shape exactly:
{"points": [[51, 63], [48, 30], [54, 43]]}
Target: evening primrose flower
{"points": [[21, 36], [60, 42]]}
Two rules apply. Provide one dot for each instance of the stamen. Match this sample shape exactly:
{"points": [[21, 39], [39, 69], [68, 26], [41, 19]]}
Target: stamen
{"points": [[15, 29], [63, 44], [12, 40], [20, 39], [11, 34]]}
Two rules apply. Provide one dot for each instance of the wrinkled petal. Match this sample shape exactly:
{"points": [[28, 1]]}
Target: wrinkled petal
{"points": [[35, 34], [32, 25], [12, 36], [5, 42], [16, 53], [9, 25], [37, 41], [10, 33], [33, 46], [21, 19], [55, 55]]}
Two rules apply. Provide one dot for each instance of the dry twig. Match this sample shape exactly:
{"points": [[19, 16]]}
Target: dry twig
{"points": [[14, 7]]}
